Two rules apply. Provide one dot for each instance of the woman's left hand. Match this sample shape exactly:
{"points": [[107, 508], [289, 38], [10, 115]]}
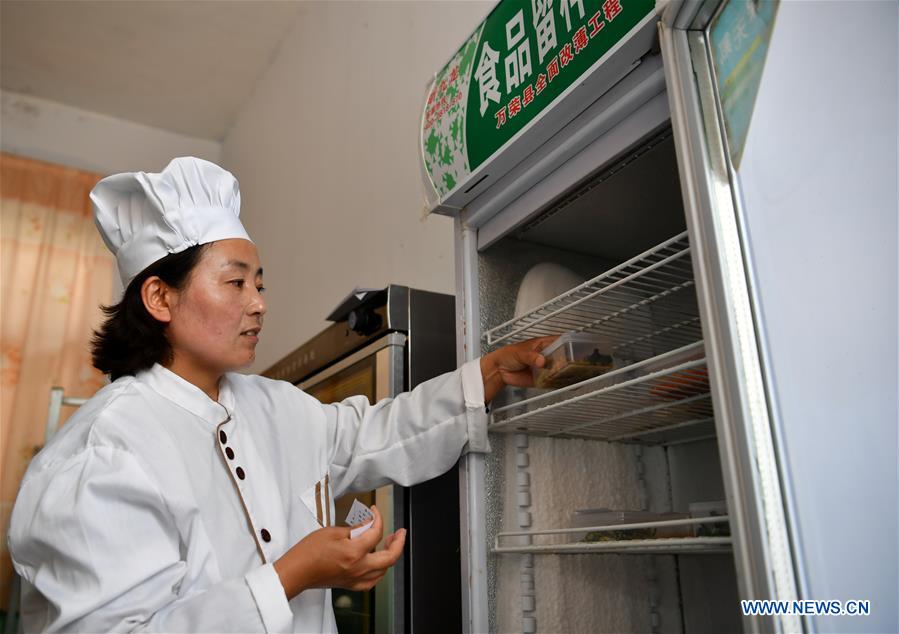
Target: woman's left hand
{"points": [[513, 365]]}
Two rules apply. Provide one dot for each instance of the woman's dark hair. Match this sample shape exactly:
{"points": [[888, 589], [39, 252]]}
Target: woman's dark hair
{"points": [[131, 339]]}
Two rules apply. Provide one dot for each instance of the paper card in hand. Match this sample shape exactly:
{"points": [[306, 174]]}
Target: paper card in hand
{"points": [[360, 517]]}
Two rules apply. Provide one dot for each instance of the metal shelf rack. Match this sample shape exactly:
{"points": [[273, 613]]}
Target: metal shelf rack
{"points": [[636, 403], [658, 546], [644, 306]]}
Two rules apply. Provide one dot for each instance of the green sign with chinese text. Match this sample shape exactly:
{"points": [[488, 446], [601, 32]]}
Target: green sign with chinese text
{"points": [[520, 59]]}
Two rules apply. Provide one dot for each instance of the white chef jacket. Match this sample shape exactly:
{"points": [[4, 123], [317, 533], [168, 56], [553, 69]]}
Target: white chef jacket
{"points": [[156, 508]]}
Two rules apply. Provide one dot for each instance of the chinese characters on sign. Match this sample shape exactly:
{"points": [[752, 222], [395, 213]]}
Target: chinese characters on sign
{"points": [[488, 84], [544, 27], [517, 64], [518, 61], [442, 97], [739, 41], [522, 87], [444, 149]]}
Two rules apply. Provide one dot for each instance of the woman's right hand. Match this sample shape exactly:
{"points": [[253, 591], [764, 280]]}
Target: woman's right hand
{"points": [[328, 558]]}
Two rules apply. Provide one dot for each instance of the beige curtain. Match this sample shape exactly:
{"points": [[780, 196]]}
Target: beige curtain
{"points": [[54, 273]]}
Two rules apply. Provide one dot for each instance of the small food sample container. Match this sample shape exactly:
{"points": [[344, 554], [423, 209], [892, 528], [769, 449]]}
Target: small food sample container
{"points": [[716, 508], [589, 518], [572, 358], [681, 385]]}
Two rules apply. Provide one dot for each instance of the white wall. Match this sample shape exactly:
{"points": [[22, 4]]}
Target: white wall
{"points": [[57, 133], [65, 135], [326, 152]]}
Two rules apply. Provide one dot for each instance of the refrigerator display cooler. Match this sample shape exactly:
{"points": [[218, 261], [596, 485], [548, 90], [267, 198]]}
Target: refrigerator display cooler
{"points": [[728, 237], [383, 342]]}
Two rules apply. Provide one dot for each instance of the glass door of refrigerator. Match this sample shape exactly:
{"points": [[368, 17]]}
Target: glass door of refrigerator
{"points": [[785, 116], [375, 372], [755, 478]]}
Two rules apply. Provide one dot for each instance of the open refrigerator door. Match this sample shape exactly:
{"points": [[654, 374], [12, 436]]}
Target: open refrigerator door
{"points": [[647, 487]]}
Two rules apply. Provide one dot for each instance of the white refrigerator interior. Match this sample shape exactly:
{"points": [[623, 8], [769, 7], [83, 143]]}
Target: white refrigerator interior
{"points": [[639, 438]]}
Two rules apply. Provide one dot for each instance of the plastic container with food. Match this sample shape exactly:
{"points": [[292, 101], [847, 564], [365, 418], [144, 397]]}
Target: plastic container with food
{"points": [[589, 518], [682, 384], [572, 358], [716, 508]]}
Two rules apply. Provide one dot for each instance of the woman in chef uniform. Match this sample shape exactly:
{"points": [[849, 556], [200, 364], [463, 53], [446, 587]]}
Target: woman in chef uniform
{"points": [[184, 497]]}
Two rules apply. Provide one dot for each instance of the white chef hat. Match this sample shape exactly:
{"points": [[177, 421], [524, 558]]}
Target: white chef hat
{"points": [[145, 217]]}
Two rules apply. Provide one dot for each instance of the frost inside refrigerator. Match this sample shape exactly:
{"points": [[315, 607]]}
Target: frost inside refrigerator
{"points": [[597, 158]]}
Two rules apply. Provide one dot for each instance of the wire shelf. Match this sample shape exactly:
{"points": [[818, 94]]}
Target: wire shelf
{"points": [[665, 393], [645, 306], [663, 545], [667, 546]]}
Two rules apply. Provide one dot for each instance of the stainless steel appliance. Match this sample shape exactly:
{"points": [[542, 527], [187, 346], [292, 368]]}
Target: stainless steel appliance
{"points": [[384, 342]]}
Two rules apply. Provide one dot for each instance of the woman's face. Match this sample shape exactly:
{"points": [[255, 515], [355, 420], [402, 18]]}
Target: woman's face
{"points": [[216, 318]]}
